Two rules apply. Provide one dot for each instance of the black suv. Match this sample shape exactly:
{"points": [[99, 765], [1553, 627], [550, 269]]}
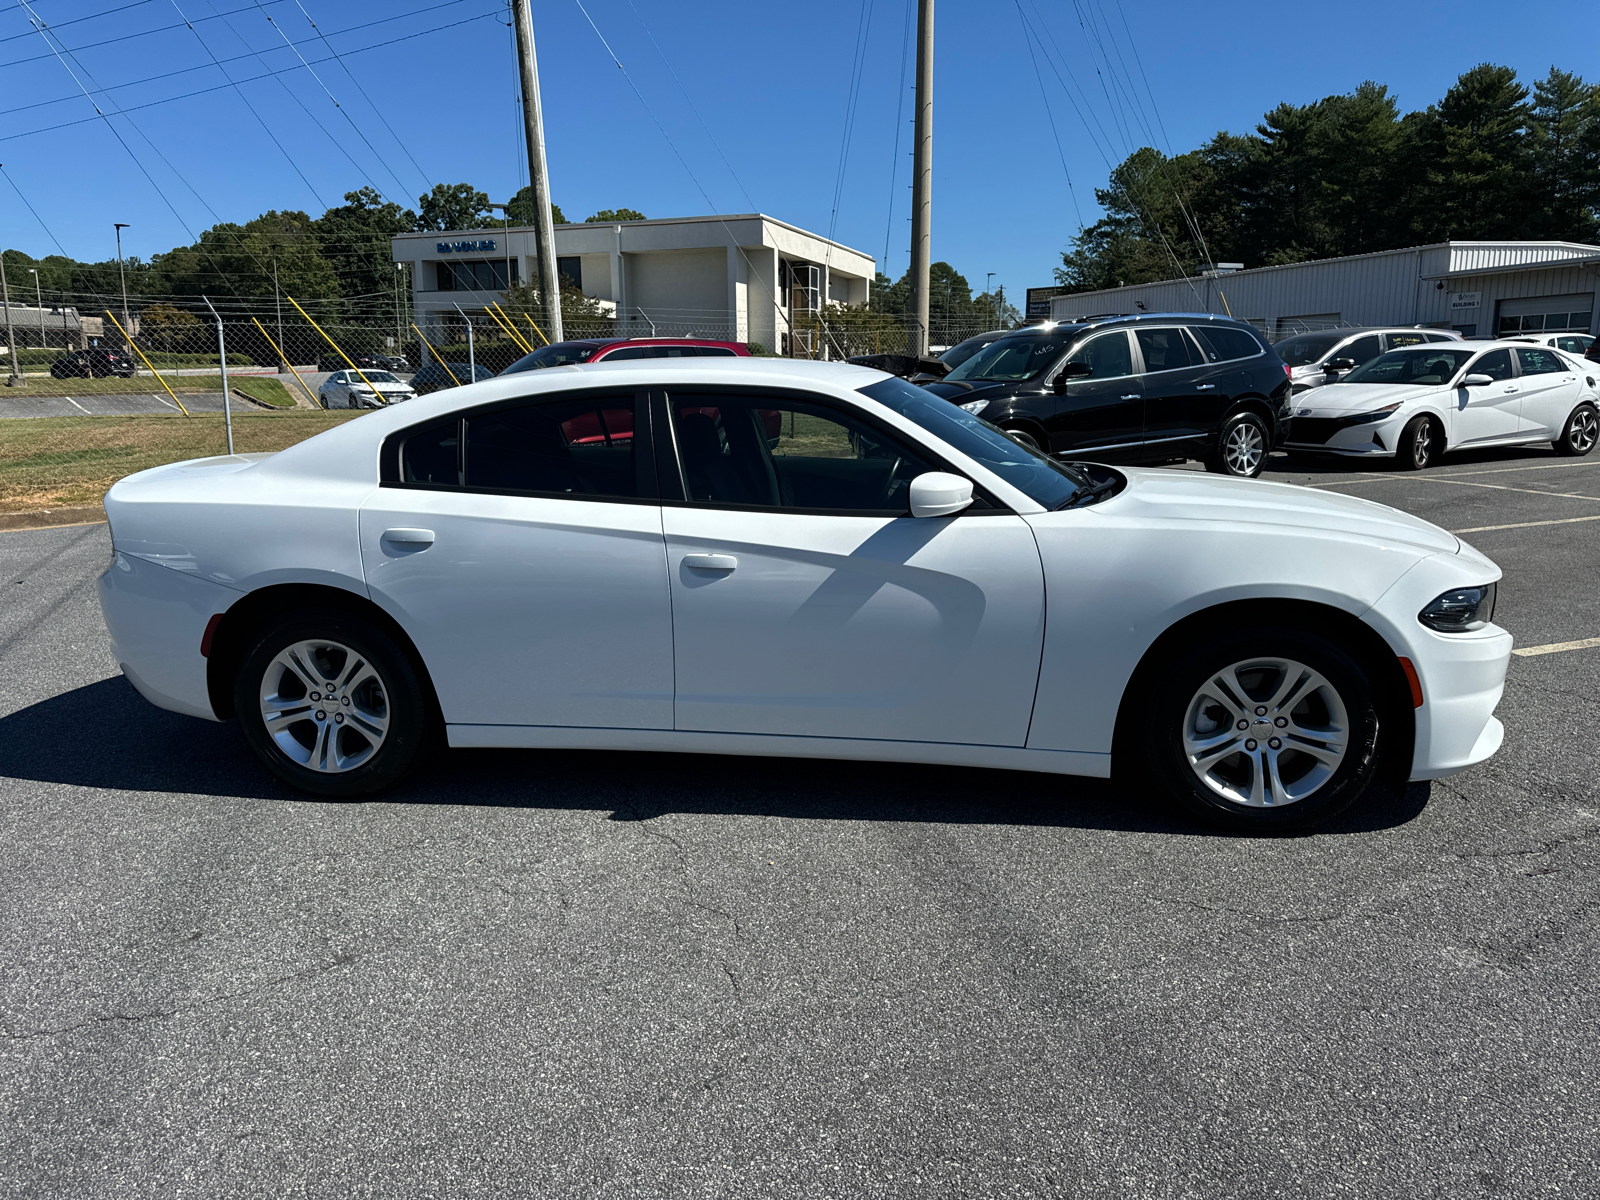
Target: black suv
{"points": [[1156, 387], [93, 363]]}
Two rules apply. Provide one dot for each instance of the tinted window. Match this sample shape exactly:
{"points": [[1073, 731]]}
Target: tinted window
{"points": [[1396, 340], [1220, 342], [1540, 362], [1108, 356], [431, 454], [1164, 349], [714, 352], [559, 355], [1440, 337], [959, 353], [571, 447], [1047, 482], [1434, 365], [1363, 350], [628, 352], [1573, 344], [1307, 348], [781, 453], [1013, 359], [1496, 365]]}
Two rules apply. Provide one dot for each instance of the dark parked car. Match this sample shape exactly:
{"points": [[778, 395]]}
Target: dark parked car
{"points": [[434, 377], [1156, 387], [378, 362], [584, 350], [97, 362]]}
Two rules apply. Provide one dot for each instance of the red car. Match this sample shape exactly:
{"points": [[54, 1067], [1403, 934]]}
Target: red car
{"points": [[588, 350]]}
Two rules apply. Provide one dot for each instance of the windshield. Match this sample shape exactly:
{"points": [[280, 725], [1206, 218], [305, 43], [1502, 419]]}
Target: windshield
{"points": [[1430, 365], [1051, 484], [377, 376], [1308, 348], [962, 351], [1014, 358], [562, 354]]}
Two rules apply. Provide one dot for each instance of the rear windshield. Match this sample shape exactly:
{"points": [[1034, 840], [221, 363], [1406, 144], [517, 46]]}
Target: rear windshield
{"points": [[1012, 359], [562, 354], [1307, 348]]}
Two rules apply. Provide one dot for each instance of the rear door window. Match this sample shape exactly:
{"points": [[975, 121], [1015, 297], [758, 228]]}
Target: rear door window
{"points": [[1363, 349], [1164, 349], [578, 448], [1540, 362], [1221, 343], [432, 455]]}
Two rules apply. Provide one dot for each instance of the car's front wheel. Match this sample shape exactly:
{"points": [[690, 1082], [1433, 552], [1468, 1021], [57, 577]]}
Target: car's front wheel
{"points": [[1420, 444], [331, 705], [1579, 434], [1241, 447], [1267, 730]]}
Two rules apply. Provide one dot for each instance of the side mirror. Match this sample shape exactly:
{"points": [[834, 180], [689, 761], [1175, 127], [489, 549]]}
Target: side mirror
{"points": [[1477, 380], [939, 494], [1334, 365], [1069, 371]]}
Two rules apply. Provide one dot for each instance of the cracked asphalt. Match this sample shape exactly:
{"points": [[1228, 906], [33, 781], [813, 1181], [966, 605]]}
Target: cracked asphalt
{"points": [[600, 974]]}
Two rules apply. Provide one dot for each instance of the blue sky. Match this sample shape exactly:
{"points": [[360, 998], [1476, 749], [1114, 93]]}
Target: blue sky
{"points": [[770, 83]]}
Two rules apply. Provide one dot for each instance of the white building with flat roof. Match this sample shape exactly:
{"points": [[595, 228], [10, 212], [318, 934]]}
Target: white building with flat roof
{"points": [[748, 278], [1480, 289]]}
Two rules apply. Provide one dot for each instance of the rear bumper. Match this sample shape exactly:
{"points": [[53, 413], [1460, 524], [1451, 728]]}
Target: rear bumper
{"points": [[156, 617]]}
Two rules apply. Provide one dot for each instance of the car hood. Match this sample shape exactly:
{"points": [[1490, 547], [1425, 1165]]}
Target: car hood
{"points": [[961, 392], [1341, 399], [1165, 495]]}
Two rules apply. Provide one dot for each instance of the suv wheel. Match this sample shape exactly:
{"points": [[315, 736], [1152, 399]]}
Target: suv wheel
{"points": [[1420, 444], [1262, 731], [1023, 438], [1580, 433], [1241, 448], [331, 705]]}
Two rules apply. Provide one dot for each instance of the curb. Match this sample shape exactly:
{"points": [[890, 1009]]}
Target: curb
{"points": [[51, 518]]}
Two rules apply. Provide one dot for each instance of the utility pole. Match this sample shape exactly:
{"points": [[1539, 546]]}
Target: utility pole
{"points": [[922, 181], [399, 328], [988, 289], [123, 275], [38, 299], [15, 378], [277, 299], [538, 170]]}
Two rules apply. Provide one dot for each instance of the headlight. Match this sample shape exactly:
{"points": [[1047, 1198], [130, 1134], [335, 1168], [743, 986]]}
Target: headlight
{"points": [[1368, 417], [975, 406], [1460, 610]]}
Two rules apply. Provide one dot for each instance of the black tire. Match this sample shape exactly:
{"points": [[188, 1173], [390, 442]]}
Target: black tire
{"points": [[398, 706], [1421, 444], [1241, 447], [1579, 434], [1252, 789]]}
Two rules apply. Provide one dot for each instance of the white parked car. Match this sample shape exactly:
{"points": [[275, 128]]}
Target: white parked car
{"points": [[350, 389], [768, 557], [1326, 356], [1413, 404], [1575, 344]]}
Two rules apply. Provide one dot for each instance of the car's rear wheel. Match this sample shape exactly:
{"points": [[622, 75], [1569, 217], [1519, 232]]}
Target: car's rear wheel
{"points": [[1580, 432], [1266, 730], [1420, 444], [1241, 447], [331, 705]]}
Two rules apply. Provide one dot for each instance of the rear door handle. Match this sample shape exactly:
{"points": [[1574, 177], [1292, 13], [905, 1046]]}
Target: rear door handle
{"points": [[710, 562], [1205, 387], [409, 537], [1135, 396]]}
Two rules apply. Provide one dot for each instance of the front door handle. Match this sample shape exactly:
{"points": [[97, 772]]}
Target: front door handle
{"points": [[1205, 387], [710, 562], [1135, 396], [409, 537]]}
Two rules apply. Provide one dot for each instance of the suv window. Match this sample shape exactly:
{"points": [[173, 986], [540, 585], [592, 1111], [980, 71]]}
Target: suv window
{"points": [[1108, 356], [567, 447], [774, 452], [1363, 349], [1164, 349], [1220, 343], [1540, 362]]}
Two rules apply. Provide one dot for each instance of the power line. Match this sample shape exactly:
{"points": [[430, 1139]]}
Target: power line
{"points": [[858, 62], [126, 37], [899, 120], [33, 210], [1039, 76], [12, 37]]}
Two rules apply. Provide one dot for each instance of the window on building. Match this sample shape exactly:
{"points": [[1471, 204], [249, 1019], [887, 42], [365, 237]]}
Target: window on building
{"points": [[571, 270], [483, 275]]}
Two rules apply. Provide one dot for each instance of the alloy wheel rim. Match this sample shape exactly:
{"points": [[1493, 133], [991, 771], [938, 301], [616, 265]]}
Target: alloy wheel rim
{"points": [[324, 706], [1265, 732], [1422, 443], [1243, 449], [1585, 428]]}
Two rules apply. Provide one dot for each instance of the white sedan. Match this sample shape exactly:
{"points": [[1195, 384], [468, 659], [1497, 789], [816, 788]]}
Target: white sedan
{"points": [[368, 388], [769, 557], [1411, 405]]}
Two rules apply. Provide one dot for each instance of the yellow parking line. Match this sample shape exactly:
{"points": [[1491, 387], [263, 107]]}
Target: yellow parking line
{"points": [[1525, 525], [1557, 647]]}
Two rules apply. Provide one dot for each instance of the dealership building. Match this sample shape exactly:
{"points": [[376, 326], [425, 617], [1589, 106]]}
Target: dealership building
{"points": [[1479, 289], [749, 278]]}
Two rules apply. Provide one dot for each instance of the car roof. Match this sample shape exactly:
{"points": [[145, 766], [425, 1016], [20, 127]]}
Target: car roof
{"points": [[1345, 331]]}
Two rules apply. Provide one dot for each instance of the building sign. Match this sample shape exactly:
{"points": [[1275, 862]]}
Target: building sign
{"points": [[464, 247], [1464, 301], [1038, 303]]}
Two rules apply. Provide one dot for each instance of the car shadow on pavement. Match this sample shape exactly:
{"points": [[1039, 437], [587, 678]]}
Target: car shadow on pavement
{"points": [[105, 735]]}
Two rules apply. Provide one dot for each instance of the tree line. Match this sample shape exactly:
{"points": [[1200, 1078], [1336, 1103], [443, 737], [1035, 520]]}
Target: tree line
{"points": [[1351, 174], [341, 260]]}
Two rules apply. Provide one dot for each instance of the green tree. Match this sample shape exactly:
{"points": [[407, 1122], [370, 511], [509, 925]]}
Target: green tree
{"points": [[167, 327], [237, 260], [356, 240], [1481, 182], [454, 206], [607, 216], [521, 209], [1565, 151]]}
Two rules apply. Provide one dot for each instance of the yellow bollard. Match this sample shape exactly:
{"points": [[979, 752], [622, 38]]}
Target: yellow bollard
{"points": [[284, 358], [436, 355], [153, 371], [335, 345]]}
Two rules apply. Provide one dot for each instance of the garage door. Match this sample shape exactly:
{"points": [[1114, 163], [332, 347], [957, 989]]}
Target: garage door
{"points": [[1547, 313]]}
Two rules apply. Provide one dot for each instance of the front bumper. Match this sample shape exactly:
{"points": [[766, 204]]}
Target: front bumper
{"points": [[1336, 435]]}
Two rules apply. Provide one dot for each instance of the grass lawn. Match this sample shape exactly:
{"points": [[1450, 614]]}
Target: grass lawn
{"points": [[54, 462], [267, 391], [139, 385]]}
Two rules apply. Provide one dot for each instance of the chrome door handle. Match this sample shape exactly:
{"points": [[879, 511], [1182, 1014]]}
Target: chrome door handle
{"points": [[710, 562], [1205, 387], [1509, 390], [1135, 396], [409, 537]]}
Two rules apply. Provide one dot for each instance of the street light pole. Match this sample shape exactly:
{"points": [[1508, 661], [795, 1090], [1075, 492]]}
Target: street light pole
{"points": [[123, 275], [38, 299], [277, 299], [15, 378], [988, 288], [222, 358]]}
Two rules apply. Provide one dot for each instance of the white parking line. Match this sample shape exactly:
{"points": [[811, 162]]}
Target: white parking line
{"points": [[1525, 525], [1498, 487], [79, 407], [1402, 477], [1558, 647]]}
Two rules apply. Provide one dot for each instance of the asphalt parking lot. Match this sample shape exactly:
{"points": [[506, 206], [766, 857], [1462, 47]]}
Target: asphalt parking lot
{"points": [[599, 974]]}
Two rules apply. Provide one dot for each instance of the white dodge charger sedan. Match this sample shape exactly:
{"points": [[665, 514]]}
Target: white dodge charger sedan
{"points": [[770, 557], [1411, 405]]}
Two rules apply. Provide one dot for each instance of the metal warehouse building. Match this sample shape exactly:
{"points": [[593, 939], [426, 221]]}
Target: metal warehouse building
{"points": [[1476, 288]]}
